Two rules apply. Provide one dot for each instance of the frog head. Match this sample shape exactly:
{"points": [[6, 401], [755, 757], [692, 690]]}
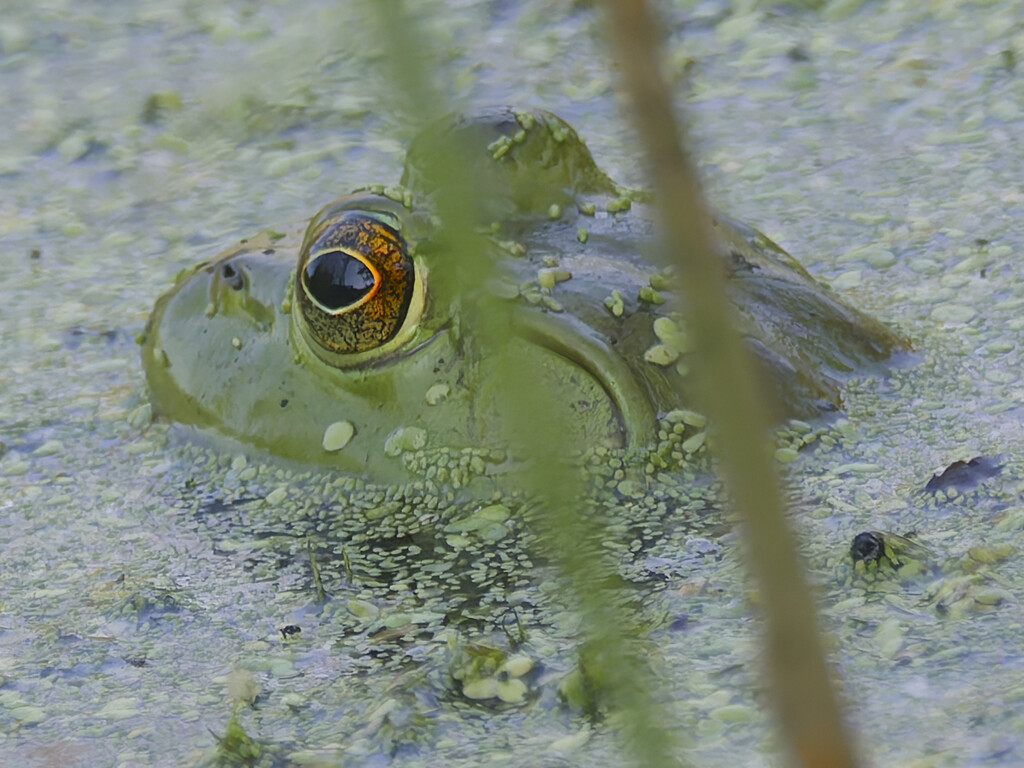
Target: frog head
{"points": [[345, 347]]}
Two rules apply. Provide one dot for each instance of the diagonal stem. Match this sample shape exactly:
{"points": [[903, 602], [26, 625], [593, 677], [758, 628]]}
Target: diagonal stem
{"points": [[806, 704]]}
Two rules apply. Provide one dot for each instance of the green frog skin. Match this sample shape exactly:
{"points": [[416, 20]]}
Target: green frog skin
{"points": [[346, 344]]}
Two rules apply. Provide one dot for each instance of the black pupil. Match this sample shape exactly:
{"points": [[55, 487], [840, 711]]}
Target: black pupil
{"points": [[338, 280]]}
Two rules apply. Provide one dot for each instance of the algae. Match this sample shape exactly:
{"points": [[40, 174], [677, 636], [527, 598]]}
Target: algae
{"points": [[846, 141]]}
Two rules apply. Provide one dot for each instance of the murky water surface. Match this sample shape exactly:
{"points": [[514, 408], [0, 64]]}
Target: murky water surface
{"points": [[148, 584]]}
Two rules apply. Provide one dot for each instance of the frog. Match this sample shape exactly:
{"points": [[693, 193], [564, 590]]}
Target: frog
{"points": [[346, 343], [943, 565]]}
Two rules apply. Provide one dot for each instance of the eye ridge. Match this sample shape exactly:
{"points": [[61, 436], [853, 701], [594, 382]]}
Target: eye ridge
{"points": [[356, 281]]}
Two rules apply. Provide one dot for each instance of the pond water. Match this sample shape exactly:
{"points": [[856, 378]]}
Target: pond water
{"points": [[151, 585]]}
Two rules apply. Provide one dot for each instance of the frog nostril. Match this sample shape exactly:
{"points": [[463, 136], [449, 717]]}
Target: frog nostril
{"points": [[232, 276]]}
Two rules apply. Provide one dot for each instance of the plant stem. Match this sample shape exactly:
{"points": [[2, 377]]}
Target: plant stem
{"points": [[806, 704]]}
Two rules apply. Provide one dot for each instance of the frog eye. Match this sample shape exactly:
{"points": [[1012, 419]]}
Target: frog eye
{"points": [[355, 283]]}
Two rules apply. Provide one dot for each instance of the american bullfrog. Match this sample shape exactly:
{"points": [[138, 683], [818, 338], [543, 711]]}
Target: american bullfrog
{"points": [[952, 583], [345, 344]]}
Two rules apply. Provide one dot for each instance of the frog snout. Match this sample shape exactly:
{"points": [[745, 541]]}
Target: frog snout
{"points": [[230, 273], [244, 284]]}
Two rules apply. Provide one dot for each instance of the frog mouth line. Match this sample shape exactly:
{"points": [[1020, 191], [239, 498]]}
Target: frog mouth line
{"points": [[589, 351]]}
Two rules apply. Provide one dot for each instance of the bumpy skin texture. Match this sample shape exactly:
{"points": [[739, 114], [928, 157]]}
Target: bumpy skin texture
{"points": [[521, 161], [238, 346]]}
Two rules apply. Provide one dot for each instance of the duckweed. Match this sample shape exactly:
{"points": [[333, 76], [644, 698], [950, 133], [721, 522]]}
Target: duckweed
{"points": [[338, 435], [183, 510]]}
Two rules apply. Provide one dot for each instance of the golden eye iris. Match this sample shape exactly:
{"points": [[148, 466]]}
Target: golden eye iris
{"points": [[356, 281]]}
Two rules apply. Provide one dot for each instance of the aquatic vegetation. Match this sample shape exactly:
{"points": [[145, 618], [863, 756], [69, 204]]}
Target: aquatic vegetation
{"points": [[386, 335], [884, 163]]}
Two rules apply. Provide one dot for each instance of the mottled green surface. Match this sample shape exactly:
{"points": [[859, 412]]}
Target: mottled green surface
{"points": [[879, 144]]}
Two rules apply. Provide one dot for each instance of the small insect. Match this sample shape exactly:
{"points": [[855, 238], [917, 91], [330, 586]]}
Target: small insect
{"points": [[290, 630], [872, 547]]}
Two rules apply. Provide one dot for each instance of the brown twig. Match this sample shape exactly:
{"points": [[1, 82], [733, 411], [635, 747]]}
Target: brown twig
{"points": [[806, 705]]}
